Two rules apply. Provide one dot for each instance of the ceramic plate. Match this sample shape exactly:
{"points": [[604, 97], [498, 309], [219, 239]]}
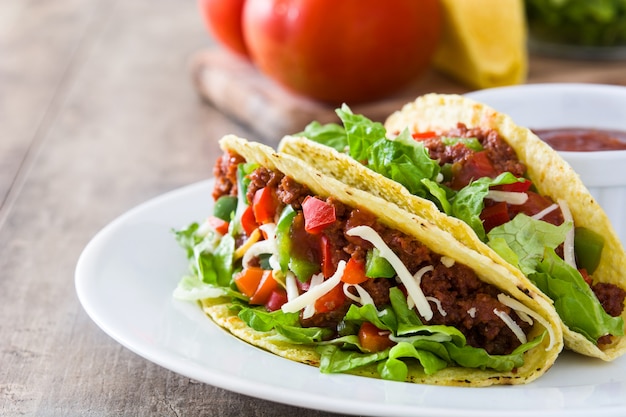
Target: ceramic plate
{"points": [[125, 278]]}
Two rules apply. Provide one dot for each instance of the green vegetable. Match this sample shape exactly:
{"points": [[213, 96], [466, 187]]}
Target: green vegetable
{"points": [[588, 246], [530, 244], [574, 300], [225, 206], [283, 238], [378, 267], [407, 162], [578, 22], [471, 143], [302, 268]]}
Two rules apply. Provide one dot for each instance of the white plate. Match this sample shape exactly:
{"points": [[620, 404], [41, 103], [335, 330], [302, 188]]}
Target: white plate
{"points": [[125, 278]]}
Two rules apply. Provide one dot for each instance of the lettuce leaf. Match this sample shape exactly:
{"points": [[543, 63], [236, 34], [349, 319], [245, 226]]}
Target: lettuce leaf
{"points": [[530, 245], [286, 324], [574, 300]]}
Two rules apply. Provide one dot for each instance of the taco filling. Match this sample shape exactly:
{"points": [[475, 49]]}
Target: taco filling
{"points": [[467, 154], [313, 271], [474, 175]]}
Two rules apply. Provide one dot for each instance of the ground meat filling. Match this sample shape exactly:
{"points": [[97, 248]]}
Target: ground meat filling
{"points": [[467, 303], [225, 174], [503, 158]]}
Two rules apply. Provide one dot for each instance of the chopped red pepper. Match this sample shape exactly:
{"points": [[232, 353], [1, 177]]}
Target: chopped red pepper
{"points": [[247, 281], [248, 221], [331, 300], [318, 214], [423, 135], [264, 205], [263, 292], [516, 187], [217, 224], [354, 272]]}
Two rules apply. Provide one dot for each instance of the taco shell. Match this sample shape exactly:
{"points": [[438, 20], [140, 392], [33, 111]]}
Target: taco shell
{"points": [[536, 361], [551, 175]]}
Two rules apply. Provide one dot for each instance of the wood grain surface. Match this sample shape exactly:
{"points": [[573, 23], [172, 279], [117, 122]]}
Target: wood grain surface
{"points": [[99, 111]]}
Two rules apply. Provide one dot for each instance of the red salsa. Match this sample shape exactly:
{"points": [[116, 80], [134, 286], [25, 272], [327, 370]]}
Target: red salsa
{"points": [[583, 139]]}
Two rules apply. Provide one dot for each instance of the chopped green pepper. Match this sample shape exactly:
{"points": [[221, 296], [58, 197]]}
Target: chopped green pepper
{"points": [[224, 207], [588, 247], [283, 240], [378, 267]]}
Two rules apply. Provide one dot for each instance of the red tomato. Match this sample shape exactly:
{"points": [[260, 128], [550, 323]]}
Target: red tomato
{"points": [[494, 215], [476, 166], [534, 205], [276, 299], [318, 214], [342, 51], [373, 339], [222, 18]]}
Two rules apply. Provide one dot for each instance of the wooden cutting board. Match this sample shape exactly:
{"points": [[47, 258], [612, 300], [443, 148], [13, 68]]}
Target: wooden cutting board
{"points": [[235, 87]]}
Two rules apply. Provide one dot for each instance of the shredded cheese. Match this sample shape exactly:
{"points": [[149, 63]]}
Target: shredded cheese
{"points": [[438, 304], [543, 213], [519, 307], [568, 246], [314, 293], [447, 261], [412, 287], [258, 248], [363, 298], [510, 197], [241, 250], [519, 333], [291, 286]]}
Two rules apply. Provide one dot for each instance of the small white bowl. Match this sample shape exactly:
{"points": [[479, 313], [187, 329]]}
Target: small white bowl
{"points": [[559, 105]]}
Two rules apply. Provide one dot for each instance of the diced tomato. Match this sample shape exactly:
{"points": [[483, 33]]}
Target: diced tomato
{"points": [[423, 135], [248, 221], [354, 272], [331, 300], [264, 205], [318, 214], [247, 281], [516, 187], [494, 215], [477, 166], [263, 292], [534, 205], [278, 297], [373, 339], [217, 224]]}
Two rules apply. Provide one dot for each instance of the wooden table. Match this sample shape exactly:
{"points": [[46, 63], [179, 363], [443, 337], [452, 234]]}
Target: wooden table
{"points": [[98, 113]]}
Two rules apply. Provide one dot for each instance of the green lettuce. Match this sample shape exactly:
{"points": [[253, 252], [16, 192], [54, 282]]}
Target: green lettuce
{"points": [[407, 162], [530, 245]]}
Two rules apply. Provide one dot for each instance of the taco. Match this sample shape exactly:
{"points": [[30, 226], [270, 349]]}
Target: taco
{"points": [[322, 273], [499, 190]]}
